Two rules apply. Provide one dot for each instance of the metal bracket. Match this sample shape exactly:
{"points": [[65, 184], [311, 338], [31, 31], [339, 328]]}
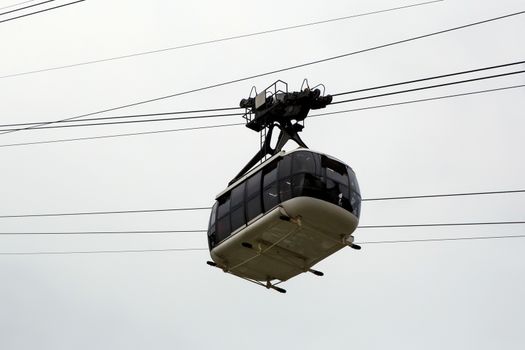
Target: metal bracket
{"points": [[274, 107]]}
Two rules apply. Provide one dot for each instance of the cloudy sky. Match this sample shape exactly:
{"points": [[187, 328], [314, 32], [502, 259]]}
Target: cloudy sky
{"points": [[433, 295]]}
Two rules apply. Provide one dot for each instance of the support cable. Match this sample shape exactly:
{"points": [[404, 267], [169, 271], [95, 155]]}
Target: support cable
{"points": [[441, 195], [122, 135], [133, 116], [377, 47], [417, 101], [143, 53], [443, 224], [36, 12], [223, 109], [104, 251], [443, 239], [429, 87], [489, 223], [239, 124], [132, 121], [102, 232], [17, 4], [25, 7], [419, 80], [429, 240]]}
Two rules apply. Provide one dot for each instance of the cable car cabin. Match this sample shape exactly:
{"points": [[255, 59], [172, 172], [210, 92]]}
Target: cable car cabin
{"points": [[284, 216]]}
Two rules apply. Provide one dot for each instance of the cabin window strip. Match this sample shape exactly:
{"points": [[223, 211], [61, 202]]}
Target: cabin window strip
{"points": [[299, 174]]}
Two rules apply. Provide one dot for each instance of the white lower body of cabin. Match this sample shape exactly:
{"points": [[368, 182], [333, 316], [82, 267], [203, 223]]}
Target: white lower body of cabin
{"points": [[286, 241]]}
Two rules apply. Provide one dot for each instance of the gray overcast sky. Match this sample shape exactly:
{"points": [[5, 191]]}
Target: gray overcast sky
{"points": [[447, 295]]}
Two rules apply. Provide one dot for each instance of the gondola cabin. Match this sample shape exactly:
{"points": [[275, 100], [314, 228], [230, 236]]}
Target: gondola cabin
{"points": [[284, 216]]}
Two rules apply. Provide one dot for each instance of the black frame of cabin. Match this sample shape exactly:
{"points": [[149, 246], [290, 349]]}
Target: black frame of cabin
{"points": [[300, 173]]}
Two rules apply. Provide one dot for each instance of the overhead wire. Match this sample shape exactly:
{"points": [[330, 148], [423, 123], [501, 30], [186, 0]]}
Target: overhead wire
{"points": [[127, 232], [470, 238], [428, 87], [419, 80], [104, 251], [17, 4], [428, 99], [135, 211], [121, 135], [442, 224], [25, 7], [135, 121], [369, 226], [142, 53], [40, 11], [240, 124], [377, 47], [106, 212], [443, 195], [130, 116], [71, 252], [102, 232]]}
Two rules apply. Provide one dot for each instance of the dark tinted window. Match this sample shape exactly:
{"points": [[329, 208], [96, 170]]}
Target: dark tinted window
{"points": [[285, 167], [303, 162], [333, 192], [211, 228], [237, 207], [270, 194], [355, 194], [270, 174], [298, 174], [337, 183], [223, 218], [237, 217], [285, 189], [285, 181], [313, 186], [336, 176], [253, 185], [354, 186], [253, 208], [355, 203], [224, 205], [336, 170], [213, 215], [253, 196], [237, 195], [297, 184]]}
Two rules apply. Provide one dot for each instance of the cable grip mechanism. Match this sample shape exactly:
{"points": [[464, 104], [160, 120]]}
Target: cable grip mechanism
{"points": [[276, 107]]}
